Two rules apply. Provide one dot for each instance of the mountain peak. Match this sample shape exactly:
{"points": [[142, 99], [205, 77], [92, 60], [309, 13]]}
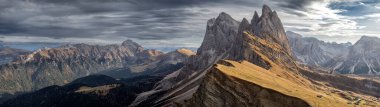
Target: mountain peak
{"points": [[269, 26], [132, 45], [292, 34], [266, 10], [367, 39], [219, 33], [255, 19], [224, 16], [128, 42]]}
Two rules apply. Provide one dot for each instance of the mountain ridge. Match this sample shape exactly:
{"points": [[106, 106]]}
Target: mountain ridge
{"points": [[263, 44], [58, 66], [344, 58]]}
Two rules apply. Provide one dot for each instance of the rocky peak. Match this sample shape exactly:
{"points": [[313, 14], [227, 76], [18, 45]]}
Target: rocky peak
{"points": [[368, 39], [291, 34], [132, 45], [219, 34], [269, 26], [224, 17], [255, 19], [366, 43], [363, 58], [266, 11]]}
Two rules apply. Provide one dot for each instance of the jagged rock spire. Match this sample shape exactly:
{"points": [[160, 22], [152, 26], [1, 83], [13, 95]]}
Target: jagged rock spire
{"points": [[269, 26], [220, 33], [266, 11]]}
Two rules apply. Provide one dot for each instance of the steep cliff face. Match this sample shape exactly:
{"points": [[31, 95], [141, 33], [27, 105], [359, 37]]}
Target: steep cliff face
{"points": [[249, 46], [269, 26]]}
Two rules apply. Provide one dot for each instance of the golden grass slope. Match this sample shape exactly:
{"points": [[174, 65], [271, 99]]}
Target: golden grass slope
{"points": [[317, 97]]}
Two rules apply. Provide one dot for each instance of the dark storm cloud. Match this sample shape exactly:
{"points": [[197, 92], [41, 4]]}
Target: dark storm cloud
{"points": [[85, 18], [140, 19], [294, 4]]}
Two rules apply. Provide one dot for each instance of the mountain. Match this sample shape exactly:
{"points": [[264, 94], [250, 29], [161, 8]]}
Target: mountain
{"points": [[345, 58], [93, 90], [238, 64], [363, 58], [8, 54], [159, 65], [59, 66], [220, 33], [252, 65], [314, 52]]}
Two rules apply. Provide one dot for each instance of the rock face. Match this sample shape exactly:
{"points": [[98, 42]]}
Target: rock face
{"points": [[314, 52], [58, 66], [269, 26]]}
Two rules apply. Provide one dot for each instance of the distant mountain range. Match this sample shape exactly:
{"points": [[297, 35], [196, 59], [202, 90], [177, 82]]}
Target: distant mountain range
{"points": [[59, 66], [361, 58], [7, 54]]}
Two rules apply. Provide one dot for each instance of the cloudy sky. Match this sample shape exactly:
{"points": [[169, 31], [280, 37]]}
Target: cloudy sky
{"points": [[176, 23]]}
